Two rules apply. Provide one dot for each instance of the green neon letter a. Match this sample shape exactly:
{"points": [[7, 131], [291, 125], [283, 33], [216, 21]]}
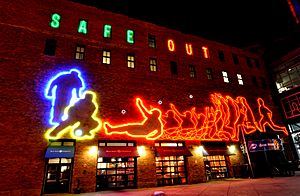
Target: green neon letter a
{"points": [[55, 20], [82, 27], [107, 31], [130, 36]]}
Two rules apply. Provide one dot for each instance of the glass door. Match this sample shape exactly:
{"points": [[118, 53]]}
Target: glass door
{"points": [[216, 165], [170, 170], [116, 173], [58, 175]]}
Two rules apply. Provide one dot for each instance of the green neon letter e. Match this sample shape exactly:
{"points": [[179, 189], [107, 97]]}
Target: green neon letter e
{"points": [[130, 36], [55, 20], [82, 27]]}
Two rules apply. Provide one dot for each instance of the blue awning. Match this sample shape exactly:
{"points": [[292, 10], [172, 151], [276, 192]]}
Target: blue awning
{"points": [[60, 152]]}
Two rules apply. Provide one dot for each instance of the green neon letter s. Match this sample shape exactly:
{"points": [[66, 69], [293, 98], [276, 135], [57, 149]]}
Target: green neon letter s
{"points": [[55, 20]]}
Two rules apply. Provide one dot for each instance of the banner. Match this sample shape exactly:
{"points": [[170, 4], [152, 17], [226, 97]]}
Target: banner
{"points": [[264, 145]]}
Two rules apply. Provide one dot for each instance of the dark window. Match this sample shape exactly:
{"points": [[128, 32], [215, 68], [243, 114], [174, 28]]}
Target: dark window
{"points": [[173, 67], [221, 55], [192, 71], [151, 41], [79, 52], [50, 47], [209, 73], [249, 62], [254, 81], [257, 64], [263, 82], [235, 59]]}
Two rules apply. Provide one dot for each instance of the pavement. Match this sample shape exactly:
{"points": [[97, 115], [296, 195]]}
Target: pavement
{"points": [[276, 186]]}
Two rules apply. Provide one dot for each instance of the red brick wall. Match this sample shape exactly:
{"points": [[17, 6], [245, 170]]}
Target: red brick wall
{"points": [[25, 70]]}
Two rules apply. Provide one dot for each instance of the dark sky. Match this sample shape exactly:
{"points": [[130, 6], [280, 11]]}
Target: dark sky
{"points": [[238, 23]]}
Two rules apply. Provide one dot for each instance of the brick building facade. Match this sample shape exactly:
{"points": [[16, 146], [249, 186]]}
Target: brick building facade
{"points": [[120, 60]]}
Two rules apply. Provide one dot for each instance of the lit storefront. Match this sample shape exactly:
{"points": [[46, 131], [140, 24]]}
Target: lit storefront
{"points": [[109, 106]]}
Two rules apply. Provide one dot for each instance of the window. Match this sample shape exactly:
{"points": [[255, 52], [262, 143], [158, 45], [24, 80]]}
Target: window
{"points": [[130, 61], [173, 67], [257, 64], [235, 59], [221, 55], [50, 47], [240, 79], [106, 57], [151, 41], [192, 71], [254, 81], [209, 73], [288, 78], [249, 62], [80, 51], [225, 77], [263, 82], [153, 64]]}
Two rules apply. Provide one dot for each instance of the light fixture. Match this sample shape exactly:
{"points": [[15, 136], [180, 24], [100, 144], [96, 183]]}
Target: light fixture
{"points": [[123, 111], [141, 150], [191, 96], [93, 150], [199, 150], [231, 149], [78, 132], [159, 102]]}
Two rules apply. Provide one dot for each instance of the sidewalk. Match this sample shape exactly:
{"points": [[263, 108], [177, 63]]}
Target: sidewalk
{"points": [[277, 186]]}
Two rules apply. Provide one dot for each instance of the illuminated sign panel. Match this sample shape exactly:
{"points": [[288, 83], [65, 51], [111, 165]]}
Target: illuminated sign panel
{"points": [[291, 105]]}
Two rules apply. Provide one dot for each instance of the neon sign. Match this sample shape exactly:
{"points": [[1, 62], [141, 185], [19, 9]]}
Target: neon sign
{"points": [[171, 45], [291, 105], [150, 128], [80, 116], [55, 20], [63, 89], [75, 112], [107, 33], [189, 49], [82, 27], [222, 121]]}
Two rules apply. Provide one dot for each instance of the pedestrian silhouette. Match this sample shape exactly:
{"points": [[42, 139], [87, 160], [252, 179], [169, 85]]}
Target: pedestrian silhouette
{"points": [[63, 89]]}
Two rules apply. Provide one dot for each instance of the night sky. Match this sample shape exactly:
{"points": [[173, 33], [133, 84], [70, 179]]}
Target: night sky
{"points": [[239, 23]]}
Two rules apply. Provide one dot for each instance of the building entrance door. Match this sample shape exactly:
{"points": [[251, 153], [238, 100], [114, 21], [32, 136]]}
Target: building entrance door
{"points": [[58, 175]]}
